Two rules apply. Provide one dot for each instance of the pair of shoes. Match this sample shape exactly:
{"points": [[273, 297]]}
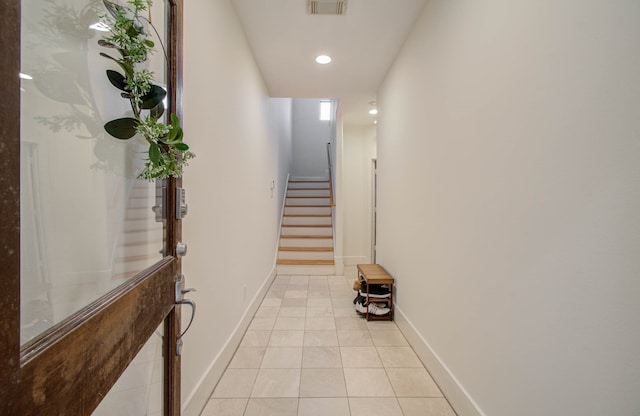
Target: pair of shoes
{"points": [[374, 289], [375, 295], [373, 308], [359, 299]]}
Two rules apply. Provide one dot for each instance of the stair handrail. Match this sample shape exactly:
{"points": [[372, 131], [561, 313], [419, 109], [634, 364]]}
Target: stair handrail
{"points": [[333, 204]]}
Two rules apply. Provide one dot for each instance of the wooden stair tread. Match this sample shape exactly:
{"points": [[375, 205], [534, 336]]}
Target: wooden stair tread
{"points": [[308, 189], [140, 243], [307, 196], [307, 225], [307, 215], [136, 230], [315, 249], [306, 236], [307, 262], [322, 181], [137, 257], [309, 206]]}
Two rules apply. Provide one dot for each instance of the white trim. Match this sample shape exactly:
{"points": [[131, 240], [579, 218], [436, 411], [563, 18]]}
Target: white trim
{"points": [[309, 178], [295, 270], [374, 208], [198, 399], [354, 260], [337, 260], [284, 202], [458, 397]]}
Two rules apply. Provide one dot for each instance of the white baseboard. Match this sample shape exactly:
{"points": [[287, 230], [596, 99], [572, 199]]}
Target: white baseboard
{"points": [[458, 397], [354, 260], [199, 398], [293, 270], [309, 178]]}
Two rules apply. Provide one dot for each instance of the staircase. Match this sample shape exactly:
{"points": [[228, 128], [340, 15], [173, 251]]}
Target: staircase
{"points": [[306, 237], [140, 240]]}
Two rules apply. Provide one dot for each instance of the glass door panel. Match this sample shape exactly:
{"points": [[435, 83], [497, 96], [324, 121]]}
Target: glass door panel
{"points": [[87, 222], [140, 389]]}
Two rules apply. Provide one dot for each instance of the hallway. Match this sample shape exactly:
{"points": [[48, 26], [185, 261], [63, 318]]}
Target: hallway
{"points": [[308, 353]]}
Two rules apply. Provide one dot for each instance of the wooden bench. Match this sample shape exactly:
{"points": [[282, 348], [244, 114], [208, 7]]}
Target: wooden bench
{"points": [[374, 274]]}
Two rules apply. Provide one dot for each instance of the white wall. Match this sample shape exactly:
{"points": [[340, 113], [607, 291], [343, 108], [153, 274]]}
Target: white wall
{"points": [[242, 139], [310, 138], [509, 201], [359, 148]]}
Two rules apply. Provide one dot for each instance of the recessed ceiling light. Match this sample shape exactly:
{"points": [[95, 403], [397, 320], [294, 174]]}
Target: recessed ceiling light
{"points": [[373, 111], [323, 59]]}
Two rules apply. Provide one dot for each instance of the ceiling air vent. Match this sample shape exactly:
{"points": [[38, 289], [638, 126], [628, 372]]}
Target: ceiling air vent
{"points": [[327, 7]]}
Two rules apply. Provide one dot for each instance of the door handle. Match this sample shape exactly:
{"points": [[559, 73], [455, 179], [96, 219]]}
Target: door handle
{"points": [[180, 300], [193, 314]]}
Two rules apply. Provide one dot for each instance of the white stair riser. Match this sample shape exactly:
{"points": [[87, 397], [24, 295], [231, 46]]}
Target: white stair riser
{"points": [[308, 201], [146, 190], [306, 231], [308, 192], [302, 210], [133, 266], [294, 185], [286, 269], [305, 255], [141, 203], [306, 221], [152, 250], [132, 236], [139, 212], [141, 224], [306, 242]]}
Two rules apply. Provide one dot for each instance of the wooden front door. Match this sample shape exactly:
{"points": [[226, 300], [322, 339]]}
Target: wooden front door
{"points": [[89, 266]]}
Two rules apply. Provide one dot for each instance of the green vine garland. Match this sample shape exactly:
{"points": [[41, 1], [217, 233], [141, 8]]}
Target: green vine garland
{"points": [[168, 154]]}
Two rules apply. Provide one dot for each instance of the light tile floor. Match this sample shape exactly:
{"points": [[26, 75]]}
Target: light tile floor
{"points": [[308, 353]]}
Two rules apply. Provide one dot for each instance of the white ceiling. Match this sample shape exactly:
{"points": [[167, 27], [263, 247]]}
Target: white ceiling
{"points": [[362, 43]]}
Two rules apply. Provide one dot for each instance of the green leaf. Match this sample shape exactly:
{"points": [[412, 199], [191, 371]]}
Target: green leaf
{"points": [[122, 128], [179, 135], [182, 146], [154, 153], [125, 67], [153, 97], [175, 121], [149, 43], [133, 31], [117, 79], [113, 8], [157, 111], [171, 136], [106, 44], [108, 57]]}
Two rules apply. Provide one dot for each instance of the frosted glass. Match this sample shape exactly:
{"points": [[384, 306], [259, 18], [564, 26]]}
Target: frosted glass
{"points": [[87, 223], [140, 389]]}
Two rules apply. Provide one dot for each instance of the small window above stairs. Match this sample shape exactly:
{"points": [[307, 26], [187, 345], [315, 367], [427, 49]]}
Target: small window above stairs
{"points": [[306, 236]]}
